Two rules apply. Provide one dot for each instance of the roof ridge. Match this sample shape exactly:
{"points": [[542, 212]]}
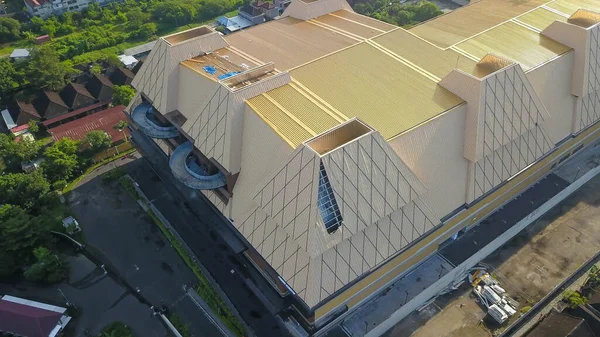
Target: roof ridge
{"points": [[499, 24], [404, 61], [358, 23]]}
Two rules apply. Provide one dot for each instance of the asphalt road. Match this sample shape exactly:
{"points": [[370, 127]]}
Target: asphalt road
{"points": [[213, 253], [489, 229], [117, 226]]}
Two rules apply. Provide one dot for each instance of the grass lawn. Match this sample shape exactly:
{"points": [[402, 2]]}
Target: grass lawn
{"points": [[7, 48]]}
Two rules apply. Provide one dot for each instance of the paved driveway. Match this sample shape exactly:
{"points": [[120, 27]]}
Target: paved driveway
{"points": [[99, 300], [117, 227]]}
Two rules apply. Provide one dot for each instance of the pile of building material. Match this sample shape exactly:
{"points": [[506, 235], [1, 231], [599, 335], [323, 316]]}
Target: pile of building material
{"points": [[500, 306]]}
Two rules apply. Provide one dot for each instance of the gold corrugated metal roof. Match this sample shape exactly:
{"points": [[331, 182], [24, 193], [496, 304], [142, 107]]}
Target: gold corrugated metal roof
{"points": [[473, 19], [355, 28], [295, 102], [514, 42], [569, 7], [540, 18], [346, 65], [286, 125], [288, 42], [365, 20], [364, 82], [424, 54]]}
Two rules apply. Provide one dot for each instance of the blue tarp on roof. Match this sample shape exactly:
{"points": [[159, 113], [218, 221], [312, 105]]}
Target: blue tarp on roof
{"points": [[234, 23], [229, 74], [210, 69]]}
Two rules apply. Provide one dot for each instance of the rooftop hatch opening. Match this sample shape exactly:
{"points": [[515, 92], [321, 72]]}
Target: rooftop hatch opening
{"points": [[187, 35], [338, 136]]}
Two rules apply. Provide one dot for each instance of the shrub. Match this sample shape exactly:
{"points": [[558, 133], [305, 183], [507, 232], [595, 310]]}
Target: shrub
{"points": [[59, 185], [113, 175], [574, 298], [525, 309]]}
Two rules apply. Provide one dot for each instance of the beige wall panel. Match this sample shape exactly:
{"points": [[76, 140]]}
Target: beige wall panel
{"points": [[434, 152], [469, 89], [590, 103], [576, 38], [263, 151], [556, 95], [237, 106], [194, 91]]}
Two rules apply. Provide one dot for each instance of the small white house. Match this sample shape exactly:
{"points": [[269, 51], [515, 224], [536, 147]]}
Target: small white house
{"points": [[128, 60], [19, 54]]}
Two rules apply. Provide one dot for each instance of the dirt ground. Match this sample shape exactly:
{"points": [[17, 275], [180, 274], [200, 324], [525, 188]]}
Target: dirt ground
{"points": [[529, 266], [459, 318], [551, 250]]}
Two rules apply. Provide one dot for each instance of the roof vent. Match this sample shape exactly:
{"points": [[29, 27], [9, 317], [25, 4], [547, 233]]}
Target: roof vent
{"points": [[584, 18], [338, 136], [187, 35]]}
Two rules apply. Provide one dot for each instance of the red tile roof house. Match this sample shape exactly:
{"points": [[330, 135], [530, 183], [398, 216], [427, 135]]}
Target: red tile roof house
{"points": [[103, 120], [26, 318]]}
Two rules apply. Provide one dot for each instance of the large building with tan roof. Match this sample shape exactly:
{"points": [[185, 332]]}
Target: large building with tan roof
{"points": [[345, 150]]}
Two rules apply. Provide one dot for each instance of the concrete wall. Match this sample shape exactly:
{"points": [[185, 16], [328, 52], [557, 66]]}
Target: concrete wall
{"points": [[434, 152], [556, 95]]}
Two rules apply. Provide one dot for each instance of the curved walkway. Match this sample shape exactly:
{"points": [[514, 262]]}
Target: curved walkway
{"points": [[140, 118], [192, 175]]}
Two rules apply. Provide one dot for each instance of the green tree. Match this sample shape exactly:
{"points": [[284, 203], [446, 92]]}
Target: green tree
{"points": [[27, 149], [10, 29], [136, 17], [33, 126], [19, 235], [23, 189], [67, 145], [426, 10], [48, 267], [574, 298], [147, 30], [97, 140], [96, 69], [404, 17], [8, 76], [14, 153], [36, 24], [44, 68], [60, 161], [122, 94], [121, 126]]}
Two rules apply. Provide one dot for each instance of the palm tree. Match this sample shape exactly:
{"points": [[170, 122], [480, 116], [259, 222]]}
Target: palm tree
{"points": [[121, 126]]}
